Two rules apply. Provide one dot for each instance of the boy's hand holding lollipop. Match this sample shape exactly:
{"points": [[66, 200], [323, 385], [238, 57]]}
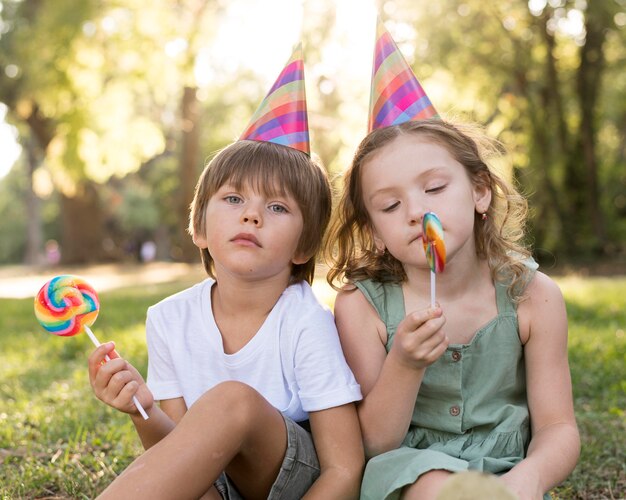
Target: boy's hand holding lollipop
{"points": [[67, 305]]}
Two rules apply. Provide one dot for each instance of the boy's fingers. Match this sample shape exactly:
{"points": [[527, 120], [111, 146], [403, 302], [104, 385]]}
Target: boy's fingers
{"points": [[98, 356]]}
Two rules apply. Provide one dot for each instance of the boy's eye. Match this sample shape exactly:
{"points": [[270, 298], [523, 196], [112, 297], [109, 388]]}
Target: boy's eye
{"points": [[436, 189], [391, 207], [279, 209], [231, 198]]}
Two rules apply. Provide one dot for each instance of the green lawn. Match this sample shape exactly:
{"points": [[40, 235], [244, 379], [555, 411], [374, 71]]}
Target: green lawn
{"points": [[58, 441]]}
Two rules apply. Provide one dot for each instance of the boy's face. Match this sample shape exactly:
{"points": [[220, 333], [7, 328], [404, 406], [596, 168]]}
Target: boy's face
{"points": [[252, 235]]}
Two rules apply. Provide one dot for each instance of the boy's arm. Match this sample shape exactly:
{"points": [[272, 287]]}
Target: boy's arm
{"points": [[555, 441], [163, 418], [115, 382], [337, 439], [389, 382]]}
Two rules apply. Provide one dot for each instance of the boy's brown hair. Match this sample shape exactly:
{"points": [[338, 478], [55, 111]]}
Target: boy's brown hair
{"points": [[274, 170]]}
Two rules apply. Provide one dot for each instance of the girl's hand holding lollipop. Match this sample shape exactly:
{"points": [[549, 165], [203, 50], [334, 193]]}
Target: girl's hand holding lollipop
{"points": [[67, 305]]}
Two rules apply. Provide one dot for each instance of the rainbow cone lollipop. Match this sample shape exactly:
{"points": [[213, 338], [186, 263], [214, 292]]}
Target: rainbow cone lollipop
{"points": [[435, 248], [67, 305]]}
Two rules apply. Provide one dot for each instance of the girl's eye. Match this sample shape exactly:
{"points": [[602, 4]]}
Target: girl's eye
{"points": [[231, 198], [279, 209], [436, 189], [392, 207]]}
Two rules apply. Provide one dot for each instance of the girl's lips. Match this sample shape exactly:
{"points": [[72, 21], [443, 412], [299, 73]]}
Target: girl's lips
{"points": [[246, 239]]}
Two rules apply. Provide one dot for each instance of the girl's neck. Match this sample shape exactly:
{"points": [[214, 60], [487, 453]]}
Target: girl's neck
{"points": [[458, 278]]}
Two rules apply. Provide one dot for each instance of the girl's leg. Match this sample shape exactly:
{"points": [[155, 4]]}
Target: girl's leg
{"points": [[232, 428], [427, 486], [444, 485]]}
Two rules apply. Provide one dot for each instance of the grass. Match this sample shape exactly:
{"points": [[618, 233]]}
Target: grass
{"points": [[58, 441]]}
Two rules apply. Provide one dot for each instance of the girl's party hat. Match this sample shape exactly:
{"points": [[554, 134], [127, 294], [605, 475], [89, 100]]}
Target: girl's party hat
{"points": [[282, 118], [396, 95]]}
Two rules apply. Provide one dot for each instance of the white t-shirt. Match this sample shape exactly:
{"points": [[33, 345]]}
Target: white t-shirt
{"points": [[295, 359]]}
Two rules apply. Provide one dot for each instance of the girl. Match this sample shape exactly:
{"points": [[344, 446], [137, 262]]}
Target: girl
{"points": [[479, 382], [244, 360]]}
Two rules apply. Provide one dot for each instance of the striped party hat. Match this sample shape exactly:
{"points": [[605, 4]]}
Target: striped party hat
{"points": [[282, 118], [396, 95]]}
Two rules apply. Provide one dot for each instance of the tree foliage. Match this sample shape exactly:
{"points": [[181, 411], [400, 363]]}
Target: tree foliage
{"points": [[547, 78], [109, 106]]}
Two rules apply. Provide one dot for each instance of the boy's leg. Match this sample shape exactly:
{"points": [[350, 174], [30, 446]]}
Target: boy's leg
{"points": [[231, 427]]}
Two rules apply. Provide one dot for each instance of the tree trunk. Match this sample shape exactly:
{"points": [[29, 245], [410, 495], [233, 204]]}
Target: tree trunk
{"points": [[34, 231], [189, 159], [82, 228], [588, 87]]}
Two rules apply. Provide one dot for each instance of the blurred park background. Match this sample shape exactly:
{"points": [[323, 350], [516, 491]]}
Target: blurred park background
{"points": [[110, 108]]}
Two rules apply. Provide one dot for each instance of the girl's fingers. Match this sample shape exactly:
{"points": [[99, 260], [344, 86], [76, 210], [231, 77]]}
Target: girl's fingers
{"points": [[416, 319]]}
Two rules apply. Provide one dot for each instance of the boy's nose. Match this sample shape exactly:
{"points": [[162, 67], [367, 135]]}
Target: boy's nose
{"points": [[251, 215], [254, 220]]}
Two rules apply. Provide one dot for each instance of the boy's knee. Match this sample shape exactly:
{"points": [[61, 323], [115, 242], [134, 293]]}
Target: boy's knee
{"points": [[234, 399]]}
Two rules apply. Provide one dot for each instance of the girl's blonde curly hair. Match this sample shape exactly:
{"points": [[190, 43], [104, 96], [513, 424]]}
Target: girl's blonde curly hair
{"points": [[350, 250]]}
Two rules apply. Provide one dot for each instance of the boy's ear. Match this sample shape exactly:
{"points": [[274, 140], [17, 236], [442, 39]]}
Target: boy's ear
{"points": [[199, 240], [299, 259]]}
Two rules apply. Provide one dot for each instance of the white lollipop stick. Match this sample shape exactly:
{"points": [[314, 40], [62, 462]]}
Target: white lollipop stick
{"points": [[135, 400], [432, 289]]}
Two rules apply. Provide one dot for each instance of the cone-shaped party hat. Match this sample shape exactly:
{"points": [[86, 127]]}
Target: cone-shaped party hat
{"points": [[396, 95], [282, 118]]}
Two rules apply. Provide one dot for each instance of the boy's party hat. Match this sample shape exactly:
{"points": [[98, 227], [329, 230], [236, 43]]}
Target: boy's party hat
{"points": [[282, 118], [396, 95]]}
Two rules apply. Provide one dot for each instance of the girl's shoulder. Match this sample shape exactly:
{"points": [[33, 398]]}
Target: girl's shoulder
{"points": [[542, 302]]}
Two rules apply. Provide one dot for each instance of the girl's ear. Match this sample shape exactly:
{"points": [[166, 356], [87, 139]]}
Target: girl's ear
{"points": [[482, 198], [378, 243]]}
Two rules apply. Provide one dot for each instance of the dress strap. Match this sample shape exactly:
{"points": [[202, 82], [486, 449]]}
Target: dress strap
{"points": [[388, 300]]}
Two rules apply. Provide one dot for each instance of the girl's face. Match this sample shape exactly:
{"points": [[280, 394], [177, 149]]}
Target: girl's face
{"points": [[252, 235], [413, 175]]}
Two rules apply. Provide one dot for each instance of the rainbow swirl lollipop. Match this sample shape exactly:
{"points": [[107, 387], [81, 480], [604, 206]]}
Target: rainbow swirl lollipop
{"points": [[65, 305], [434, 246]]}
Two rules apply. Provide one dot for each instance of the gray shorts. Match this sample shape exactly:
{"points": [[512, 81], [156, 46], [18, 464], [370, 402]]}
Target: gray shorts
{"points": [[299, 470]]}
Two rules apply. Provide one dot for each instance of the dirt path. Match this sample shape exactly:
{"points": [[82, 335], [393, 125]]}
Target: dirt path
{"points": [[22, 281]]}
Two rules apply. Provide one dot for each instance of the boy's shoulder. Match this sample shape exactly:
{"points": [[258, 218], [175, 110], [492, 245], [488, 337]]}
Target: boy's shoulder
{"points": [[301, 295], [182, 299], [299, 301]]}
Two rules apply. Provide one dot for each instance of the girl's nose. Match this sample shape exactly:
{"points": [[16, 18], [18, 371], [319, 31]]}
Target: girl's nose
{"points": [[415, 212]]}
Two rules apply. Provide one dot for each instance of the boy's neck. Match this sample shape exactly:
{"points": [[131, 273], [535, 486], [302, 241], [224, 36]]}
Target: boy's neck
{"points": [[238, 297], [241, 307]]}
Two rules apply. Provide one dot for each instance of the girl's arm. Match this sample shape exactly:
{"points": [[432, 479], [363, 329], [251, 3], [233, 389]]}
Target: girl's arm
{"points": [[555, 442], [339, 449], [389, 383], [115, 382]]}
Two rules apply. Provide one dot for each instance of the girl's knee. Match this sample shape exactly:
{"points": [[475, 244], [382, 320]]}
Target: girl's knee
{"points": [[427, 486]]}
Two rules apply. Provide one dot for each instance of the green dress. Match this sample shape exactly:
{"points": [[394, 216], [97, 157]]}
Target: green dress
{"points": [[471, 411]]}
